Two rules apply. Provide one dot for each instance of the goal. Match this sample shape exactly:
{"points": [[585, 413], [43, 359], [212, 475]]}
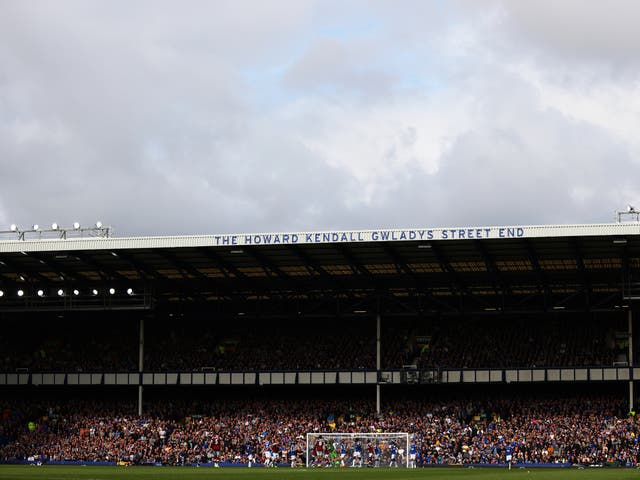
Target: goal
{"points": [[331, 449]]}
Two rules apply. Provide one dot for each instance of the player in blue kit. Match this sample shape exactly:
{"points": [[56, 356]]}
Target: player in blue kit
{"points": [[394, 455], [508, 454], [357, 454], [343, 454], [293, 455], [412, 455], [249, 449]]}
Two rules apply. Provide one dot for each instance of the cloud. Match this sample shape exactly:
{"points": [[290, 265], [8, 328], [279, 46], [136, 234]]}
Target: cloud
{"points": [[335, 67], [212, 117], [599, 31]]}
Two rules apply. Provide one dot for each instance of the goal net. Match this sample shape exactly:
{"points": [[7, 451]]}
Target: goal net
{"points": [[331, 449]]}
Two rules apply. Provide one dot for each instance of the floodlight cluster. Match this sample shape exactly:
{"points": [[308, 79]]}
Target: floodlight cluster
{"points": [[37, 231], [61, 292], [54, 226]]}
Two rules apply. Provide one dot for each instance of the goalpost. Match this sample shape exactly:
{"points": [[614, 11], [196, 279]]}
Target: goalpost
{"points": [[331, 449]]}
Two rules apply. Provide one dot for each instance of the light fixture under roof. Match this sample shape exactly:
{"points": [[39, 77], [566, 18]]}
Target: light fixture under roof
{"points": [[61, 293], [94, 291], [112, 291], [41, 293], [20, 293]]}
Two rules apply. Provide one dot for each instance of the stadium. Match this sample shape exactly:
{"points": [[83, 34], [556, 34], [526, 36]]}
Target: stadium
{"points": [[509, 347]]}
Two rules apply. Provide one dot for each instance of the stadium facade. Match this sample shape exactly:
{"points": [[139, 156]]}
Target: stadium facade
{"points": [[376, 276]]}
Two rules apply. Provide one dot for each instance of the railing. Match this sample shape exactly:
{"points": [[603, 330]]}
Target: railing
{"points": [[327, 377]]}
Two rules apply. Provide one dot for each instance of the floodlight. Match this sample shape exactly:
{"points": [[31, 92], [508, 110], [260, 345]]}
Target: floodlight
{"points": [[76, 292], [1, 293], [13, 227], [61, 293], [98, 224], [112, 291], [76, 225], [94, 291], [41, 293], [20, 293], [36, 227], [54, 226], [129, 291]]}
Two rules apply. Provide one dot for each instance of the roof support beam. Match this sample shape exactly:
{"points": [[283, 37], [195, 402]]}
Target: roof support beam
{"points": [[223, 265], [355, 264], [181, 266], [268, 266], [144, 270], [401, 265], [53, 265], [312, 266], [584, 277], [499, 286], [541, 275], [455, 284], [22, 274], [103, 271]]}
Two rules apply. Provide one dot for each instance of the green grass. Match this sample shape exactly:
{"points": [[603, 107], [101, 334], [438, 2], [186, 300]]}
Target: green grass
{"points": [[51, 472]]}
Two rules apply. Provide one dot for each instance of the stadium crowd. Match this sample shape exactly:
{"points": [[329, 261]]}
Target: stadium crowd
{"points": [[183, 344], [523, 343], [592, 430]]}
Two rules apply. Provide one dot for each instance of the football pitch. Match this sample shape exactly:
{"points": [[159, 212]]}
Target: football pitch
{"points": [[25, 472]]}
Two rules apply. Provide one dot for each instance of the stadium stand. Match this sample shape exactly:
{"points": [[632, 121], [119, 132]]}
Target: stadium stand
{"points": [[286, 344], [518, 341], [594, 429]]}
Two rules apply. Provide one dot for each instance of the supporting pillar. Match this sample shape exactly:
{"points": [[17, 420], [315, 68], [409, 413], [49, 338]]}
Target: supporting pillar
{"points": [[378, 361], [140, 364], [630, 359]]}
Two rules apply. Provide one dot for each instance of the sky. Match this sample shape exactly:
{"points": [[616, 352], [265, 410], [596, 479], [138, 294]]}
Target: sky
{"points": [[194, 117]]}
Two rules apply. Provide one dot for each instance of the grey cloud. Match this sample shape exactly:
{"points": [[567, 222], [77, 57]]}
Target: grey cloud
{"points": [[331, 66], [599, 31], [495, 176], [144, 120]]}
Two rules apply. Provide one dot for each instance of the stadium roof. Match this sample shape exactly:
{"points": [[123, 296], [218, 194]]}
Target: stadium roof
{"points": [[405, 271]]}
